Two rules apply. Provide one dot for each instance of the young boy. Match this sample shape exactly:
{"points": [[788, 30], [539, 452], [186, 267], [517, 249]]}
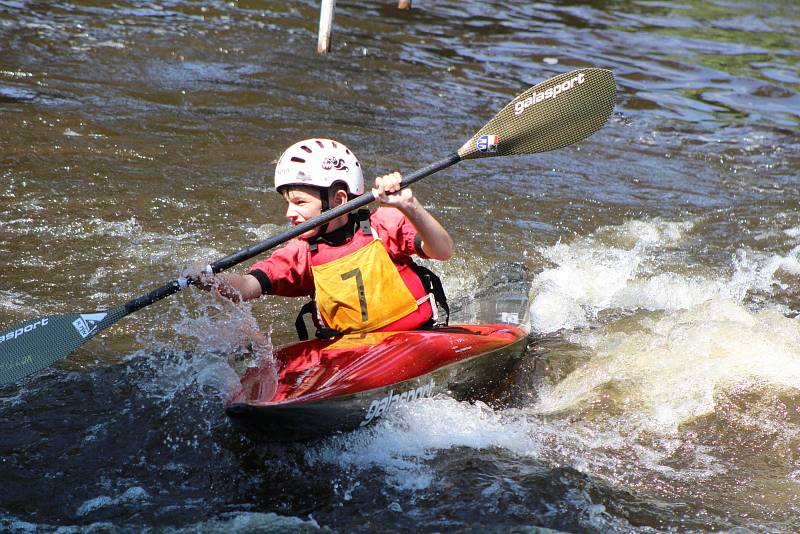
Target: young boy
{"points": [[357, 267]]}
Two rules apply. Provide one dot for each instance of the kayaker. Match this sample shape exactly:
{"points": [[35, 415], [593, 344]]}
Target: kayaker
{"points": [[357, 268]]}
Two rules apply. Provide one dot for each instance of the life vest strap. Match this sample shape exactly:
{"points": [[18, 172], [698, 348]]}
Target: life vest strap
{"points": [[299, 323], [433, 286]]}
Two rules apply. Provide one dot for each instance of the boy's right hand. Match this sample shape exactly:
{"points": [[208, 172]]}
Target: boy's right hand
{"points": [[388, 191]]}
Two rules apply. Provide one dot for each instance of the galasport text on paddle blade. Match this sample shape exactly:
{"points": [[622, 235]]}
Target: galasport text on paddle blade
{"points": [[31, 346]]}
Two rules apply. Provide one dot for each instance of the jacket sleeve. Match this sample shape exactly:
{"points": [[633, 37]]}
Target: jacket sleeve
{"points": [[398, 234], [288, 271]]}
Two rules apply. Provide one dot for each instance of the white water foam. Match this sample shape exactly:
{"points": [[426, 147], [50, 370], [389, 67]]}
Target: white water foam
{"points": [[667, 370], [403, 442], [638, 266], [250, 523], [610, 270], [684, 333], [134, 494]]}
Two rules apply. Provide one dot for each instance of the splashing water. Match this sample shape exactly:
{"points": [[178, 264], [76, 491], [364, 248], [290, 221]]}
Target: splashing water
{"points": [[212, 341], [664, 371]]}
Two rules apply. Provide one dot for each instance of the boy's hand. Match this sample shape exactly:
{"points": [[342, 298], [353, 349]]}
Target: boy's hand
{"points": [[436, 242], [387, 191], [197, 275]]}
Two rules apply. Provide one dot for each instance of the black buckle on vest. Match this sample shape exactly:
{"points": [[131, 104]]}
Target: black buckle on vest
{"points": [[363, 221], [310, 308], [327, 333]]}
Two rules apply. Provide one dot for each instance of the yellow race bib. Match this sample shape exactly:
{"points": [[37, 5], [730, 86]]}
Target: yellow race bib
{"points": [[362, 291]]}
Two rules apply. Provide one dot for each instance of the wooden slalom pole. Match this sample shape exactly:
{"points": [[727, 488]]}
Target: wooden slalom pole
{"points": [[326, 10]]}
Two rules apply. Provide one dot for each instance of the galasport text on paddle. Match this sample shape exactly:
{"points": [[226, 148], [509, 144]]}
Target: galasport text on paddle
{"points": [[550, 115]]}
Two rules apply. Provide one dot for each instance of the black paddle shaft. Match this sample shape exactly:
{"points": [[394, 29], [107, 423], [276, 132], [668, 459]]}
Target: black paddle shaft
{"points": [[245, 254]]}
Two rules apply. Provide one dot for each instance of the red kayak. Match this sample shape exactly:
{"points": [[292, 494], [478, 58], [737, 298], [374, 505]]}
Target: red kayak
{"points": [[319, 387]]}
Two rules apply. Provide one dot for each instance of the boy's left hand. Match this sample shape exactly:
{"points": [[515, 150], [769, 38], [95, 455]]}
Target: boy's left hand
{"points": [[387, 191]]}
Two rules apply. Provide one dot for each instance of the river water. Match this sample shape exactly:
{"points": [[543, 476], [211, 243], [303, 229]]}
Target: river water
{"points": [[660, 260]]}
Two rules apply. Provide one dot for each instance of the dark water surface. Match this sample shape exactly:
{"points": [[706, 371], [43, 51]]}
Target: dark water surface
{"points": [[662, 261]]}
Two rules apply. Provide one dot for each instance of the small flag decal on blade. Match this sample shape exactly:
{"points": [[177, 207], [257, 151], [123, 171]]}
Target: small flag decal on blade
{"points": [[488, 143], [86, 324]]}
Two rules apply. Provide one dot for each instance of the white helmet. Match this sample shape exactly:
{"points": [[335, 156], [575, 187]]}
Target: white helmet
{"points": [[319, 163]]}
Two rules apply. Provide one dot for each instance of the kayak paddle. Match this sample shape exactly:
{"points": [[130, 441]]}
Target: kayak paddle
{"points": [[550, 115]]}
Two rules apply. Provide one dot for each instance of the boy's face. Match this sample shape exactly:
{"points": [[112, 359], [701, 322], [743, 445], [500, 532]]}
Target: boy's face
{"points": [[302, 204]]}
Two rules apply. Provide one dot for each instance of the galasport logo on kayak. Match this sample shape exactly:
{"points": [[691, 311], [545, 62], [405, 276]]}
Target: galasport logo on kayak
{"points": [[381, 406], [553, 92], [86, 324], [24, 330], [334, 163]]}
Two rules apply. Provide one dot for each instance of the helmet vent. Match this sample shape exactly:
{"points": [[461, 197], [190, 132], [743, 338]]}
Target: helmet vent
{"points": [[320, 144], [304, 147], [298, 160]]}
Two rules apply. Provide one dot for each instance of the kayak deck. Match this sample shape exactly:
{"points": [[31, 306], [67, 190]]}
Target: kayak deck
{"points": [[318, 387]]}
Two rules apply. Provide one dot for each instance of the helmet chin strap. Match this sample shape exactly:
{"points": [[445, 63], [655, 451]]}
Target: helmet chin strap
{"points": [[324, 193]]}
